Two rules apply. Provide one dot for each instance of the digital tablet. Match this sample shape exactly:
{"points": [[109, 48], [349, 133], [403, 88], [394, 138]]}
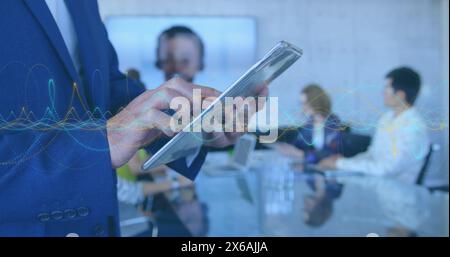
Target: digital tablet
{"points": [[273, 64]]}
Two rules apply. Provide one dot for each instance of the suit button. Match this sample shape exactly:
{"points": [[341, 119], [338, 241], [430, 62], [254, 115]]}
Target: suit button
{"points": [[57, 215], [83, 211], [70, 213], [43, 217]]}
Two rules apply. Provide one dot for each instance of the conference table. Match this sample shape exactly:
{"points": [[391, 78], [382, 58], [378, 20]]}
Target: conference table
{"points": [[275, 198]]}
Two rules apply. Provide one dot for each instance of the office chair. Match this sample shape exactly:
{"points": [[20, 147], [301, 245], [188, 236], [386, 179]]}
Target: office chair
{"points": [[353, 143], [425, 169]]}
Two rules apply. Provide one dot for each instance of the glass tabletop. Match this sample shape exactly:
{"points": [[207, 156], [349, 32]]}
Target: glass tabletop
{"points": [[273, 199]]}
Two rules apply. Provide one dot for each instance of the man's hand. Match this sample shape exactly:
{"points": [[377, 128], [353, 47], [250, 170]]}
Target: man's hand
{"points": [[224, 139], [143, 120], [329, 163]]}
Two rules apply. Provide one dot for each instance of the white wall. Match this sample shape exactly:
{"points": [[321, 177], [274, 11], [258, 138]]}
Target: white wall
{"points": [[349, 45], [445, 75], [445, 46]]}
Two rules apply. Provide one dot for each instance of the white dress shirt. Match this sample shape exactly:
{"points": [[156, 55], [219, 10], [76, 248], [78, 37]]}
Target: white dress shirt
{"points": [[318, 136], [398, 148]]}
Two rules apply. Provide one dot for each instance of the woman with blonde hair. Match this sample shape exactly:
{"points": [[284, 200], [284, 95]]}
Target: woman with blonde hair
{"points": [[320, 136]]}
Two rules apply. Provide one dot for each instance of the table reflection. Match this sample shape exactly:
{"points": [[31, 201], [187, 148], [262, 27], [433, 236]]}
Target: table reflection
{"points": [[276, 199]]}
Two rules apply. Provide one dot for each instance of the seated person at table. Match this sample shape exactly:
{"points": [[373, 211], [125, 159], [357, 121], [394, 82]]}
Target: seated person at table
{"points": [[133, 191], [320, 137], [400, 144]]}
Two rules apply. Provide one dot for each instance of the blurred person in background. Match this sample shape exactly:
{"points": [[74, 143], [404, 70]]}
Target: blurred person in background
{"points": [[400, 144], [180, 52], [136, 76], [320, 136]]}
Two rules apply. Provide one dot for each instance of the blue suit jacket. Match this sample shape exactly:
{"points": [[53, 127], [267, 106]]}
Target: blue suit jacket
{"points": [[55, 168], [332, 144]]}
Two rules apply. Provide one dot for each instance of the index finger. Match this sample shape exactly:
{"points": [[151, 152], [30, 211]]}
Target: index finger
{"points": [[187, 89], [208, 91]]}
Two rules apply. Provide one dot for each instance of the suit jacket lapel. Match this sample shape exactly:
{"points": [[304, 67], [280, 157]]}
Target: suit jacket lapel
{"points": [[48, 24], [86, 47], [43, 15]]}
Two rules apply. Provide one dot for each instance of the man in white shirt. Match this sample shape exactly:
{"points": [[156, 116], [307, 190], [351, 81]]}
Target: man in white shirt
{"points": [[400, 144]]}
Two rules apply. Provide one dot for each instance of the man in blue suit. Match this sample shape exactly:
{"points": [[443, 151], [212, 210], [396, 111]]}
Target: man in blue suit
{"points": [[68, 117]]}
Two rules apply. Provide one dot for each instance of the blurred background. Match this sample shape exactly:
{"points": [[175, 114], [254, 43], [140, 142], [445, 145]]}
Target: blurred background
{"points": [[349, 46]]}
